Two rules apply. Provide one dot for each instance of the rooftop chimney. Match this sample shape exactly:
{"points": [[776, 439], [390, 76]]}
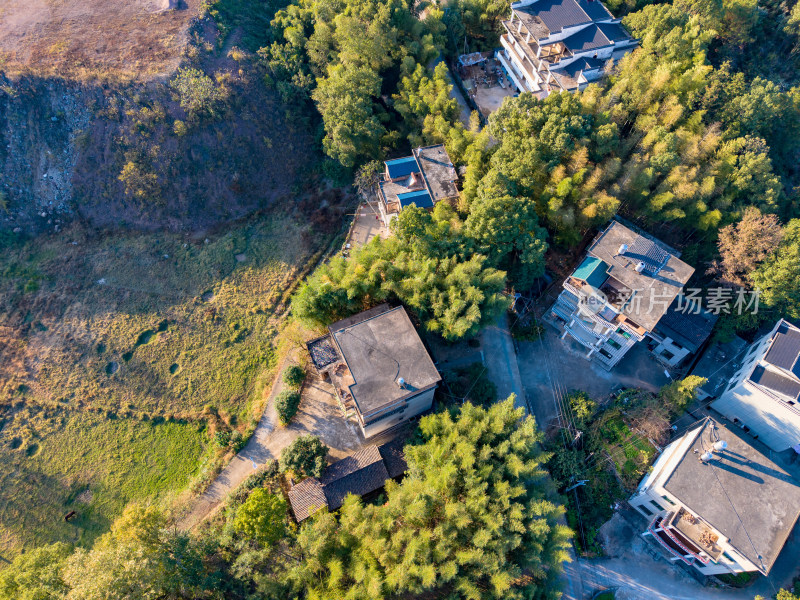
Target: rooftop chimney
{"points": [[640, 267], [401, 382], [720, 445], [706, 456], [622, 249]]}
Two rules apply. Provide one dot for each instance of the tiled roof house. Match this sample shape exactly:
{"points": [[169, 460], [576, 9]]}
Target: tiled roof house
{"points": [[560, 45]]}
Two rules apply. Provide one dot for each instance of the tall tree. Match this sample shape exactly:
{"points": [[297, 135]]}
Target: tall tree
{"points": [[778, 277], [36, 574], [744, 245], [473, 519]]}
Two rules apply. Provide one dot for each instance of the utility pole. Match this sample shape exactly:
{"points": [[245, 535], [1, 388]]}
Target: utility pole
{"points": [[580, 483]]}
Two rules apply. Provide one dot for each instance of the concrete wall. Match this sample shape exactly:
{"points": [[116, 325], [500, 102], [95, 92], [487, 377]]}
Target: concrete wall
{"points": [[652, 502], [774, 422], [411, 408]]}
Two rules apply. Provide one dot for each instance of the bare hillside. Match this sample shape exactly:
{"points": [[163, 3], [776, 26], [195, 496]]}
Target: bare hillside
{"points": [[87, 38]]}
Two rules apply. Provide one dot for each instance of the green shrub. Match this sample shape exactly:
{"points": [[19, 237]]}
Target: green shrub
{"points": [[222, 438], [286, 404], [238, 441], [294, 376], [305, 456]]}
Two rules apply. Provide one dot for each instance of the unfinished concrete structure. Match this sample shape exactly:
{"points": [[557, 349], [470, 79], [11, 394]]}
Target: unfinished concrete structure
{"points": [[619, 292], [763, 396], [717, 503], [381, 372]]}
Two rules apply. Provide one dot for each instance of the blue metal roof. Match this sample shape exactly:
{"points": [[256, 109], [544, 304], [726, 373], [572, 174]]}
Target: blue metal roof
{"points": [[593, 271], [421, 198], [401, 167]]}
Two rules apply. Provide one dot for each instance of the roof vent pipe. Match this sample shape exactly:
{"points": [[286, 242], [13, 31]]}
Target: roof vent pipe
{"points": [[640, 267], [622, 249], [720, 445], [401, 382], [706, 456]]}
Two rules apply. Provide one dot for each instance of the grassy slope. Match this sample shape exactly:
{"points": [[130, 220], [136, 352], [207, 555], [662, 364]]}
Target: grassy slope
{"points": [[189, 325]]}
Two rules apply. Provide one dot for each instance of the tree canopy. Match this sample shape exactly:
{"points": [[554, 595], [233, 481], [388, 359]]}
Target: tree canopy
{"points": [[474, 518]]}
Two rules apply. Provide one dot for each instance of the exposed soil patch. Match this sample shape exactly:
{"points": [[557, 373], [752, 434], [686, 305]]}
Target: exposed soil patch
{"points": [[117, 37], [85, 497], [241, 257]]}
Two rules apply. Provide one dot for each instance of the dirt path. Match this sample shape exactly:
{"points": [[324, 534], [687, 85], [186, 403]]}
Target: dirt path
{"points": [[266, 443]]}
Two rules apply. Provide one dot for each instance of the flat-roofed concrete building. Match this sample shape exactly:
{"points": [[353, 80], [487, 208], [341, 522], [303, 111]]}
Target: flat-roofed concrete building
{"points": [[717, 503], [560, 45], [763, 395], [423, 179], [618, 294], [379, 367]]}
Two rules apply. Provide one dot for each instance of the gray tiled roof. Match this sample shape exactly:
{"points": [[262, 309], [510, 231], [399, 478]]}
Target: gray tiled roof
{"points": [[558, 14], [393, 457], [776, 382], [360, 473], [306, 498], [588, 38], [688, 328], [784, 352]]}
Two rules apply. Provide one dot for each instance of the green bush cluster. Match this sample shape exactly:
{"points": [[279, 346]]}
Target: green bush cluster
{"points": [[286, 404], [294, 376]]}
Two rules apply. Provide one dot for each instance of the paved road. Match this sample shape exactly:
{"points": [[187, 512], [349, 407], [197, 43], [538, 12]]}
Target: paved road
{"points": [[500, 359], [637, 575]]}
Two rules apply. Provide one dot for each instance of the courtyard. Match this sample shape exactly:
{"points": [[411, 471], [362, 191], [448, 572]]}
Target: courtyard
{"points": [[552, 362]]}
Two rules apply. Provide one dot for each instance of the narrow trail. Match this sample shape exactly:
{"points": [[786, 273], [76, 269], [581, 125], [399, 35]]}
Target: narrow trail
{"points": [[265, 444]]}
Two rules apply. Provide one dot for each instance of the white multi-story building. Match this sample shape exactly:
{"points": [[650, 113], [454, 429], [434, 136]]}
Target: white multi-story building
{"points": [[560, 45], [717, 503], [618, 294], [763, 396]]}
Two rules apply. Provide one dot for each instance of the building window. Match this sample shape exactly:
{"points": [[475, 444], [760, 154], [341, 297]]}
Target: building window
{"points": [[645, 510], [668, 355], [668, 499], [656, 505], [605, 353], [384, 416], [614, 344], [623, 333], [728, 557]]}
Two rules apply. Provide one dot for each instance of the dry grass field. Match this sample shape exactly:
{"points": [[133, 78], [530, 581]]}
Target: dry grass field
{"points": [[89, 39], [121, 355]]}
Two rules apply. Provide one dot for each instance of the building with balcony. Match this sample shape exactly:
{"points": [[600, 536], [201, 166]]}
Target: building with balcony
{"points": [[717, 503], [423, 179], [380, 370], [618, 294], [560, 45], [763, 395]]}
